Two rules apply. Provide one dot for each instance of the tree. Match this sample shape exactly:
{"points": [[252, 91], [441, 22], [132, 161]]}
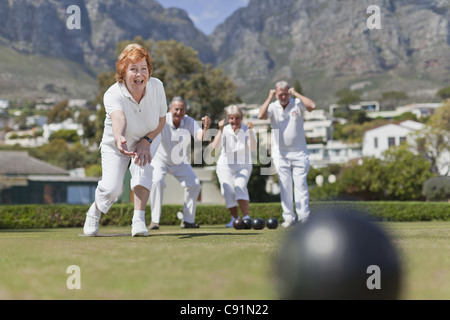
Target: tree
{"points": [[444, 93], [298, 87], [434, 140], [70, 136], [393, 98], [89, 127], [363, 181], [398, 176], [347, 97], [405, 174], [59, 112]]}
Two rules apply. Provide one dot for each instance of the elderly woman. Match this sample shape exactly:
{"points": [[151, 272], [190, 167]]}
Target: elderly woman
{"points": [[234, 166], [136, 109]]}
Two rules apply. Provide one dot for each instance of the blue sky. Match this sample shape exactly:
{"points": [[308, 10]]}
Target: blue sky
{"points": [[206, 14]]}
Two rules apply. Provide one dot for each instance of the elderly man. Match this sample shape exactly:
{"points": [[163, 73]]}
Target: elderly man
{"points": [[172, 157], [289, 150]]}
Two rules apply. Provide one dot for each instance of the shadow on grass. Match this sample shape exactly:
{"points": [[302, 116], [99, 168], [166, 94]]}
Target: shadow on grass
{"points": [[206, 234], [24, 230]]}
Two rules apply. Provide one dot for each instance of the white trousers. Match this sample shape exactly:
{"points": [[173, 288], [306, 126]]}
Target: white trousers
{"points": [[233, 180], [114, 166], [189, 181], [293, 168]]}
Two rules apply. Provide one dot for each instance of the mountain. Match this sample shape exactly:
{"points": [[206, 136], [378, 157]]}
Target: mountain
{"points": [[328, 46], [38, 29], [325, 44]]}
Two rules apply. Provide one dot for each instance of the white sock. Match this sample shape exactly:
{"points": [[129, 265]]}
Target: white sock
{"points": [[139, 215], [94, 212]]}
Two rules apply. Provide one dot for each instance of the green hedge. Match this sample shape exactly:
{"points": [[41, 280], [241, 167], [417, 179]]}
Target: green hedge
{"points": [[65, 216]]}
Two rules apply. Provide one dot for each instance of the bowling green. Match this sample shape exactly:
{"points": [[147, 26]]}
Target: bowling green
{"points": [[210, 263]]}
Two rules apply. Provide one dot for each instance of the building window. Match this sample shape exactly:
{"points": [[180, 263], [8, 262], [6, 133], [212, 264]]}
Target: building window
{"points": [[391, 142], [402, 140], [375, 142]]}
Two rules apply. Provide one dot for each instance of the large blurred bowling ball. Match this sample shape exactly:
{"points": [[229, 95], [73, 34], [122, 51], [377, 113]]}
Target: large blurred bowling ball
{"points": [[338, 255]]}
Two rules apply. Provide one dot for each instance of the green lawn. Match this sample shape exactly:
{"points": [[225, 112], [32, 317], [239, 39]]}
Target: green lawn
{"points": [[209, 263]]}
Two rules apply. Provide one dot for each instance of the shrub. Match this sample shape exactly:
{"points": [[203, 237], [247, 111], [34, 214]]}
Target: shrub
{"points": [[65, 216], [437, 189]]}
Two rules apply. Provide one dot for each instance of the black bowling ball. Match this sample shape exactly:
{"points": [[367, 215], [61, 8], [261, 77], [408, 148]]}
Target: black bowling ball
{"points": [[338, 255], [272, 223], [248, 224], [238, 224], [258, 224]]}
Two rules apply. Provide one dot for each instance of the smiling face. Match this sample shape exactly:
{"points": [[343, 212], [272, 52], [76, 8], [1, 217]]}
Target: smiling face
{"points": [[136, 77], [178, 110], [235, 121]]}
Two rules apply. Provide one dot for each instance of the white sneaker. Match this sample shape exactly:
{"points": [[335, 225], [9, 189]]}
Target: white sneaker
{"points": [[303, 220], [91, 226], [139, 229], [289, 221], [230, 224]]}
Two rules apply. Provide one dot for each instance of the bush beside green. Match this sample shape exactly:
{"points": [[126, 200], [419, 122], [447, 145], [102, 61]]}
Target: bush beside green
{"points": [[437, 189], [65, 216]]}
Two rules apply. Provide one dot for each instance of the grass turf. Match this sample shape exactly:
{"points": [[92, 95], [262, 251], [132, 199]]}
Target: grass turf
{"points": [[210, 263]]}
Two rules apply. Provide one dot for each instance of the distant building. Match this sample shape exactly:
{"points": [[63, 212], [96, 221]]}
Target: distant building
{"points": [[67, 124], [76, 103], [333, 152], [420, 110], [378, 140], [27, 180], [4, 104], [368, 106]]}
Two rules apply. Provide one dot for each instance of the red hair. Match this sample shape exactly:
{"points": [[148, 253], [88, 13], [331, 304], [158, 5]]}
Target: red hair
{"points": [[132, 54]]}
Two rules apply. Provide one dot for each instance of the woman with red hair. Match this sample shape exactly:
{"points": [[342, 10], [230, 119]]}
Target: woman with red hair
{"points": [[136, 108]]}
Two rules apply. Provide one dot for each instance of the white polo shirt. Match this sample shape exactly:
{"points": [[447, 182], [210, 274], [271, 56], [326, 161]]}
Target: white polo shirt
{"points": [[236, 146], [175, 142], [142, 118], [288, 136]]}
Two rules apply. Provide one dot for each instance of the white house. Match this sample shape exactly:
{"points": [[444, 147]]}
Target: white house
{"points": [[334, 152], [378, 140]]}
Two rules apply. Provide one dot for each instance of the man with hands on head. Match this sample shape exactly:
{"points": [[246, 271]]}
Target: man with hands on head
{"points": [[173, 158], [289, 151], [136, 109]]}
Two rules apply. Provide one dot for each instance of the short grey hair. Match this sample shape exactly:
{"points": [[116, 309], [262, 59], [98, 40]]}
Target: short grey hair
{"points": [[282, 85], [177, 99], [233, 110]]}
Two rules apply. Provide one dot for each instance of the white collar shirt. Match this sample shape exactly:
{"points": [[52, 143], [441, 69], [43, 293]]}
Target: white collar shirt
{"points": [[175, 142], [288, 134], [142, 118]]}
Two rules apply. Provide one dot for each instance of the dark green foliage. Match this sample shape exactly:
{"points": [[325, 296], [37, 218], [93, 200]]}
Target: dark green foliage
{"points": [[65, 216], [437, 189]]}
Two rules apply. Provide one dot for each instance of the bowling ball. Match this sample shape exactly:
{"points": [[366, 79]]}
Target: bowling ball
{"points": [[338, 255], [248, 224], [272, 223], [258, 224], [238, 224]]}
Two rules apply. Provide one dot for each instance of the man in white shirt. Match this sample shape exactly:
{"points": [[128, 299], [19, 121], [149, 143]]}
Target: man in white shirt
{"points": [[289, 151], [172, 157]]}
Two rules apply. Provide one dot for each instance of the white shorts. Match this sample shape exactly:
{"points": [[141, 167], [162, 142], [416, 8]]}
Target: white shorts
{"points": [[114, 166], [233, 180]]}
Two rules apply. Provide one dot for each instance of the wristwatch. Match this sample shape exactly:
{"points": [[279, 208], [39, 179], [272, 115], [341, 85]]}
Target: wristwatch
{"points": [[148, 139]]}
